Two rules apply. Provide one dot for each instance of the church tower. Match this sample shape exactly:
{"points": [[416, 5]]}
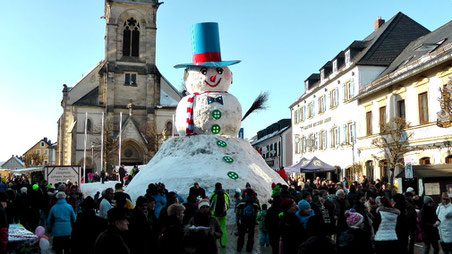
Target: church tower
{"points": [[126, 81], [130, 57]]}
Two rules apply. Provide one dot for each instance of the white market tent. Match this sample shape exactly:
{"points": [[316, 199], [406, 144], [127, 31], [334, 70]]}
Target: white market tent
{"points": [[27, 170]]}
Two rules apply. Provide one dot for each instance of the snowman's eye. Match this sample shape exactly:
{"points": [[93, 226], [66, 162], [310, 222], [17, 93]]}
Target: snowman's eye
{"points": [[204, 71], [220, 70]]}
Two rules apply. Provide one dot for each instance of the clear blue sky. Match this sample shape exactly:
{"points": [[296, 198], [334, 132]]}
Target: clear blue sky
{"points": [[45, 44]]}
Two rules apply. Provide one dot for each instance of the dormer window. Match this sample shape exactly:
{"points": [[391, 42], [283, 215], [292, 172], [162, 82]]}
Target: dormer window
{"points": [[322, 74], [347, 57], [335, 66], [131, 38]]}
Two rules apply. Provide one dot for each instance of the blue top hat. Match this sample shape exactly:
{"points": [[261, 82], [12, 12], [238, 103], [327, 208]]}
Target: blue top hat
{"points": [[205, 40]]}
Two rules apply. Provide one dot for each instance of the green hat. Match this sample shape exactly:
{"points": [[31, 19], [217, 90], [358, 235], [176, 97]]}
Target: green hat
{"points": [[35, 186]]}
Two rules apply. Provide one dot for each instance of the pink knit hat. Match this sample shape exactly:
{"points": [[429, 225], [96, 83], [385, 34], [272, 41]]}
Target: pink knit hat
{"points": [[354, 219]]}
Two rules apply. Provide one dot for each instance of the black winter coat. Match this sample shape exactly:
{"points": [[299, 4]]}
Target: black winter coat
{"points": [[111, 241], [85, 231], [427, 218], [292, 233]]}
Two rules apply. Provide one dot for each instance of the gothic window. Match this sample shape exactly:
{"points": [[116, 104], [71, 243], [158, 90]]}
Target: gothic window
{"points": [[131, 38]]}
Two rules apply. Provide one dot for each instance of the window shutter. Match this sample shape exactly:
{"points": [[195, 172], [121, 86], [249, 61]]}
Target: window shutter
{"points": [[344, 98], [344, 134], [354, 132], [330, 137], [352, 88], [336, 102]]}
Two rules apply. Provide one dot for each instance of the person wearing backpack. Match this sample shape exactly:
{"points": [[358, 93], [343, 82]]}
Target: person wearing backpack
{"points": [[264, 239], [247, 212], [219, 203]]}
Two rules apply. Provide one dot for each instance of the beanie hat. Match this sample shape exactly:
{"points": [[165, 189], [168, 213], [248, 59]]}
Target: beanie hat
{"points": [[141, 201], [88, 203], [409, 189], [303, 205], [248, 185], [427, 199], [354, 219], [35, 186], [286, 203], [61, 195], [23, 190], [203, 202]]}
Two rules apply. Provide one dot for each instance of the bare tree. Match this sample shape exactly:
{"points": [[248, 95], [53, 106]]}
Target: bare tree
{"points": [[152, 137], [393, 143], [111, 144], [33, 159]]}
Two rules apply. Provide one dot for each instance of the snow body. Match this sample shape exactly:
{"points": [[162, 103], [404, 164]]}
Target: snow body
{"points": [[229, 122], [182, 161], [201, 83]]}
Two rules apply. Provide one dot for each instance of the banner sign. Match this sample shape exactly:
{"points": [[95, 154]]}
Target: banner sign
{"points": [[408, 170], [60, 174]]}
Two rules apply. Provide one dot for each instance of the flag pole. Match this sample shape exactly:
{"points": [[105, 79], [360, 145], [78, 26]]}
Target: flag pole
{"points": [[84, 148], [172, 129], [102, 144], [120, 132]]}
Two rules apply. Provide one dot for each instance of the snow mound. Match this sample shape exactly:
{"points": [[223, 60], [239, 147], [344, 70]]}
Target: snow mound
{"points": [[182, 161], [90, 189]]}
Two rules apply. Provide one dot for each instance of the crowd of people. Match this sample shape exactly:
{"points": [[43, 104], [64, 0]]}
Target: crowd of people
{"points": [[316, 216]]}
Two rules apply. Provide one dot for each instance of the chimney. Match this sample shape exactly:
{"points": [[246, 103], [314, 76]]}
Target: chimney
{"points": [[378, 23]]}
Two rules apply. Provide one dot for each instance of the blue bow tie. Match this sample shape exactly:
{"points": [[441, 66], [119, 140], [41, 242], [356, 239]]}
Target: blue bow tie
{"points": [[218, 99]]}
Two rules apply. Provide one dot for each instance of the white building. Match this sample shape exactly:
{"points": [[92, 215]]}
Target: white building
{"points": [[274, 143], [324, 118], [409, 88]]}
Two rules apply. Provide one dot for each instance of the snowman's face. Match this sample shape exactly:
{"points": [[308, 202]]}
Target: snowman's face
{"points": [[200, 79]]}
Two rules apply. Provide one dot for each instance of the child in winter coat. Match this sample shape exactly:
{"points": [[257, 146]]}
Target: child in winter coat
{"points": [[264, 238], [356, 239]]}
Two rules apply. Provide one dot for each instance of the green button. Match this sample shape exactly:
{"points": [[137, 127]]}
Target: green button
{"points": [[228, 159], [233, 175], [216, 114], [221, 143], [215, 129]]}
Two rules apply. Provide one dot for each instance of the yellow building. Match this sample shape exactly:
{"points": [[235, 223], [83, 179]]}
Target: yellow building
{"points": [[40, 154], [410, 88]]}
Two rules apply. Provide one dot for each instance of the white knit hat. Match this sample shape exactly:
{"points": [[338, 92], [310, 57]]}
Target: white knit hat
{"points": [[203, 202]]}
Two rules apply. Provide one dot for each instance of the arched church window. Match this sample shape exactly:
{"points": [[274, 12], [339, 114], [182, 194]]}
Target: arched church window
{"points": [[169, 127], [131, 37]]}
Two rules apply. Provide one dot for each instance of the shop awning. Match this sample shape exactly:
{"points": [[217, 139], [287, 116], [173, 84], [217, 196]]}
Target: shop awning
{"points": [[296, 167], [429, 171]]}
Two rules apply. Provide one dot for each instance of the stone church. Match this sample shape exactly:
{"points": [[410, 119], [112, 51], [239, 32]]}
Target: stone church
{"points": [[126, 80]]}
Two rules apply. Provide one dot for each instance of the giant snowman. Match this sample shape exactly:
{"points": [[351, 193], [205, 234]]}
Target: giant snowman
{"points": [[208, 120]]}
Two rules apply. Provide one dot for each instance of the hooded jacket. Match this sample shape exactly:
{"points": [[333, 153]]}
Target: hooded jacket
{"points": [[444, 213]]}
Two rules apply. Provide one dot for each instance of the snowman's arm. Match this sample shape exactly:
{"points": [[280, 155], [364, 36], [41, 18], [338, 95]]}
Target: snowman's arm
{"points": [[258, 104]]}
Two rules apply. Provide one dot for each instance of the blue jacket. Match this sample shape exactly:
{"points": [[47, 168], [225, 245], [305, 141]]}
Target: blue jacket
{"points": [[61, 217], [160, 202]]}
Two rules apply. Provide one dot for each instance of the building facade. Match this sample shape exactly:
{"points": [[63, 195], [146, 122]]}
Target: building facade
{"points": [[274, 143], [43, 152], [325, 117], [13, 163], [410, 88], [126, 81]]}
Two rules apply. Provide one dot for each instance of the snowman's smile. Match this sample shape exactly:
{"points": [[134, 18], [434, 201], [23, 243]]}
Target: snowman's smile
{"points": [[213, 85]]}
